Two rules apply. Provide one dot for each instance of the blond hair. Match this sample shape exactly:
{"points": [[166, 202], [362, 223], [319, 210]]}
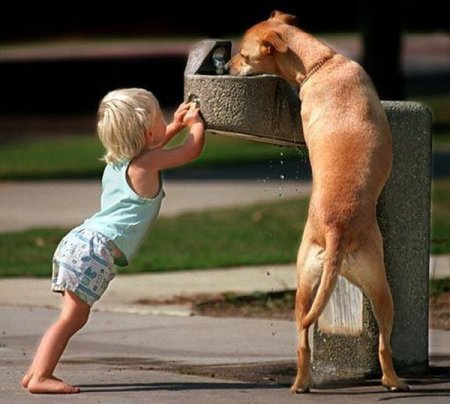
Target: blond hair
{"points": [[124, 117]]}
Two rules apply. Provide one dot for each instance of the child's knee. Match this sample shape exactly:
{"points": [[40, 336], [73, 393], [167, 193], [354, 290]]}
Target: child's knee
{"points": [[75, 319], [82, 320], [75, 311]]}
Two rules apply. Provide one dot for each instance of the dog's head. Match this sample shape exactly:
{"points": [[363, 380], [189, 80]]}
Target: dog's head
{"points": [[260, 47]]}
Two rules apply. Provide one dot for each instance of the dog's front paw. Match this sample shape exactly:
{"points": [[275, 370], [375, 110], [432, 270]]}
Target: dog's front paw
{"points": [[300, 390], [395, 386], [301, 386]]}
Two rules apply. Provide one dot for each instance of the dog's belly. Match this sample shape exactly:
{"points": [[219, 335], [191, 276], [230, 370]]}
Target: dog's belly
{"points": [[349, 268], [313, 264], [352, 265], [357, 269]]}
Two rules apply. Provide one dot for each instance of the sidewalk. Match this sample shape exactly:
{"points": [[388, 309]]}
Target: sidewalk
{"points": [[68, 203], [129, 293], [133, 293], [135, 358], [132, 352]]}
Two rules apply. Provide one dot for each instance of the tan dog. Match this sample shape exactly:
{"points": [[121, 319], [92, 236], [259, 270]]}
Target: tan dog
{"points": [[349, 142]]}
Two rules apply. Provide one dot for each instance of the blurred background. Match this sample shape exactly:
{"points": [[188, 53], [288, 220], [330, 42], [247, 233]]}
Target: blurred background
{"points": [[58, 60], [241, 204], [63, 58]]}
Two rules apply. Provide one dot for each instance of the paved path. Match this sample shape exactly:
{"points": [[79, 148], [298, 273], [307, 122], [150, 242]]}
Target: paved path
{"points": [[132, 293], [25, 205], [131, 358]]}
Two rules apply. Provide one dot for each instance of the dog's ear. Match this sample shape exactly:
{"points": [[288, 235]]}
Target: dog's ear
{"points": [[271, 42], [283, 17]]}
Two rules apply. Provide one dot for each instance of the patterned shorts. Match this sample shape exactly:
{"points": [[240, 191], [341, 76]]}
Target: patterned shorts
{"points": [[83, 263]]}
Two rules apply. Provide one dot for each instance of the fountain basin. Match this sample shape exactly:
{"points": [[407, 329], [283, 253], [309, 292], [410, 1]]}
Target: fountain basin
{"points": [[263, 108]]}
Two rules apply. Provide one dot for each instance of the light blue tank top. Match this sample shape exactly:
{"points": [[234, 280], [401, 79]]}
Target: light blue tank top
{"points": [[124, 217]]}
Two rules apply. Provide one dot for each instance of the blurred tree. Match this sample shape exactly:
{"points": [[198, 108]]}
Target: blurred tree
{"points": [[381, 27]]}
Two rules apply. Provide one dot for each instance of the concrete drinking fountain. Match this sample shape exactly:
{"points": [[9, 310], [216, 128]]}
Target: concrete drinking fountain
{"points": [[265, 108]]}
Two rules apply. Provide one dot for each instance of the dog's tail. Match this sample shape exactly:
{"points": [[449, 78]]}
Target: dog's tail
{"points": [[334, 254]]}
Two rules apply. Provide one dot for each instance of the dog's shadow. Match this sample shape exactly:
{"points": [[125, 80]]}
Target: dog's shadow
{"points": [[434, 376]]}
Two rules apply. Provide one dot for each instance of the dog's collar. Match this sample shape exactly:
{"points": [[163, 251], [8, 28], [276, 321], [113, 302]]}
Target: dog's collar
{"points": [[316, 67]]}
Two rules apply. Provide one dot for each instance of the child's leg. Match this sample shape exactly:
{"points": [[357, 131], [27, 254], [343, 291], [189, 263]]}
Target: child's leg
{"points": [[39, 378]]}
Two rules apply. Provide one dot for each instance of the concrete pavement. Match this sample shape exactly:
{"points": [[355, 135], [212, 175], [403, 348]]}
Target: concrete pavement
{"points": [[149, 293], [68, 203], [132, 358], [161, 293]]}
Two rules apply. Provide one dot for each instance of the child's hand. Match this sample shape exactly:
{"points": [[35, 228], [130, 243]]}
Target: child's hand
{"points": [[193, 115], [179, 114]]}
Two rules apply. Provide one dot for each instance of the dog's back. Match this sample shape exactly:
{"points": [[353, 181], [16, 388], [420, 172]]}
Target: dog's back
{"points": [[350, 145]]}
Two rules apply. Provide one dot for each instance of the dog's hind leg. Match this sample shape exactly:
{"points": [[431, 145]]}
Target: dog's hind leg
{"points": [[380, 297], [302, 381], [370, 276], [309, 269]]}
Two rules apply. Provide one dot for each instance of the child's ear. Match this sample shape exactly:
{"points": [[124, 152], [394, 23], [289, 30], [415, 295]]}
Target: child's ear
{"points": [[149, 136]]}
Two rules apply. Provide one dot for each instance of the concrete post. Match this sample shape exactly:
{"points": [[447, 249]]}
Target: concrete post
{"points": [[265, 108]]}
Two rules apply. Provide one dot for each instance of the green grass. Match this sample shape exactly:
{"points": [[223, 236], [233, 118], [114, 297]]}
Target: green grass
{"points": [[440, 217], [257, 235], [51, 158], [440, 105], [438, 286], [79, 156], [261, 234], [441, 141]]}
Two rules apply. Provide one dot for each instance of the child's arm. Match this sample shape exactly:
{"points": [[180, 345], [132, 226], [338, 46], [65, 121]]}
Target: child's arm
{"points": [[160, 159], [177, 124], [143, 172]]}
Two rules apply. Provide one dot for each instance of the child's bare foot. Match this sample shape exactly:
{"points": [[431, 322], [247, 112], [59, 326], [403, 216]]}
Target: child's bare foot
{"points": [[26, 379], [44, 385]]}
